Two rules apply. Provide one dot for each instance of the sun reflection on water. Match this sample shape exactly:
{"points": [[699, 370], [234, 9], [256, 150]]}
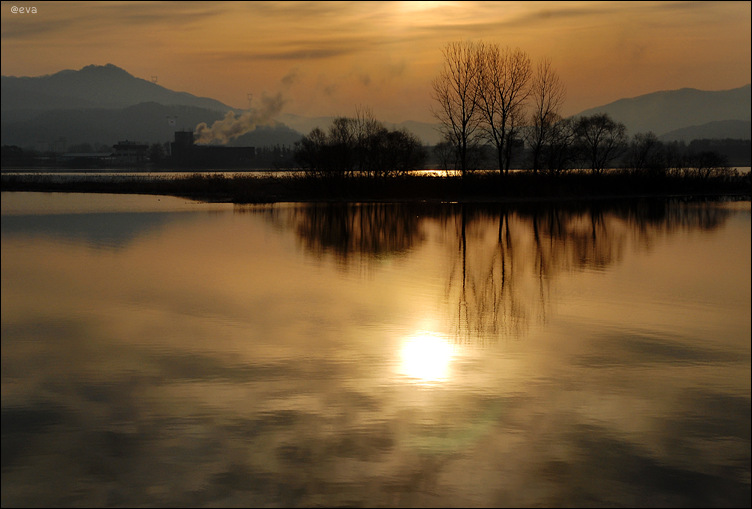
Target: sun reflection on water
{"points": [[426, 357]]}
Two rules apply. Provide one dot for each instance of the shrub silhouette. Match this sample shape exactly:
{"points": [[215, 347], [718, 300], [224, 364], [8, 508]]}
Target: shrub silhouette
{"points": [[359, 146]]}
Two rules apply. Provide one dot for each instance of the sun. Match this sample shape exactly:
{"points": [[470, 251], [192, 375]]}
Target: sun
{"points": [[421, 9], [421, 6], [426, 357]]}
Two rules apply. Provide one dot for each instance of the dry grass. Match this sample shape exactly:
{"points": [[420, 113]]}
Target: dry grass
{"points": [[521, 186]]}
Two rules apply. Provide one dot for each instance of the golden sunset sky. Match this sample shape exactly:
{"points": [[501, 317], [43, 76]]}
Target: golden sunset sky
{"points": [[328, 58]]}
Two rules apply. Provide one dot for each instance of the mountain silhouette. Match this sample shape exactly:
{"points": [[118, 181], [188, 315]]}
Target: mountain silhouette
{"points": [[94, 86], [673, 115], [104, 104], [718, 129], [666, 111], [147, 122]]}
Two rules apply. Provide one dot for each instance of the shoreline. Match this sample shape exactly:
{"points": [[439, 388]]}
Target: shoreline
{"points": [[512, 188]]}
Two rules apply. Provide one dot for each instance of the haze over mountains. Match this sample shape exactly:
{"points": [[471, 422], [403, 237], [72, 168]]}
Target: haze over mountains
{"points": [[102, 105], [676, 114]]}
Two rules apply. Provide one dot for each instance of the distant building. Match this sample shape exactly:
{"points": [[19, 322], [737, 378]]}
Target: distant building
{"points": [[186, 154], [130, 152], [55, 147], [87, 159]]}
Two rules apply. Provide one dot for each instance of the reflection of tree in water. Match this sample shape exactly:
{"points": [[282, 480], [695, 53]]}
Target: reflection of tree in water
{"points": [[652, 217], [482, 290], [568, 240], [348, 231], [505, 258], [502, 259], [594, 236]]}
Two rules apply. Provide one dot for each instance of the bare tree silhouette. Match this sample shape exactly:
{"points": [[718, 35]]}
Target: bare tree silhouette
{"points": [[503, 87], [360, 145], [548, 93], [456, 91], [601, 139]]}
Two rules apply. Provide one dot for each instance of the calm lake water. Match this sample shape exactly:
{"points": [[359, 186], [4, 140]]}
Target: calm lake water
{"points": [[162, 352]]}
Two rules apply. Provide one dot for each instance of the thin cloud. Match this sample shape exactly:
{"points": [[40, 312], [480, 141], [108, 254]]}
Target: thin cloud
{"points": [[59, 26], [170, 14], [307, 9], [13, 32], [291, 77], [45, 23], [300, 54], [313, 49]]}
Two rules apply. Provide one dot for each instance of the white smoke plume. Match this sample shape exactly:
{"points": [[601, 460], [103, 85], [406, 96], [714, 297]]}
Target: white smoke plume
{"points": [[232, 126]]}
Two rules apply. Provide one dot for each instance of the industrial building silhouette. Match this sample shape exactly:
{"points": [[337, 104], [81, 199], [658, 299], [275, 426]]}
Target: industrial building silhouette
{"points": [[185, 153]]}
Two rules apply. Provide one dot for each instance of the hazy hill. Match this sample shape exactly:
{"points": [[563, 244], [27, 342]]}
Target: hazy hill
{"points": [[94, 86], [145, 122], [663, 112], [268, 136], [305, 124], [683, 114], [106, 104], [719, 130]]}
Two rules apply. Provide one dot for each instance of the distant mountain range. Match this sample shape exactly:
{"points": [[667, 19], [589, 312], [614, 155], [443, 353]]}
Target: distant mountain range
{"points": [[94, 86], [102, 105], [668, 112], [716, 130]]}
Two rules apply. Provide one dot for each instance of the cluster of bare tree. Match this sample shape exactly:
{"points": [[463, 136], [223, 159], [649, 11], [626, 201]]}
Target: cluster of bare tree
{"points": [[647, 154], [361, 146], [494, 100], [483, 95], [492, 95], [488, 96]]}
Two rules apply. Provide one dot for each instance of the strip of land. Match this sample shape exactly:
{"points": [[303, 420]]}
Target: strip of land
{"points": [[489, 188]]}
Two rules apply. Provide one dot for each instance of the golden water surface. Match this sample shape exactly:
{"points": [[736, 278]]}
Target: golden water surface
{"points": [[161, 352]]}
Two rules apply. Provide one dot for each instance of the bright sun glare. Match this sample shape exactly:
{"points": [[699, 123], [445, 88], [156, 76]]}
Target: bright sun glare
{"points": [[420, 7], [426, 357]]}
